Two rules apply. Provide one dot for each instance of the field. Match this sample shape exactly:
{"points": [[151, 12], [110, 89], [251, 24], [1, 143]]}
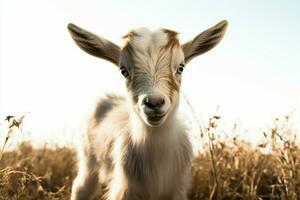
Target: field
{"points": [[225, 168]]}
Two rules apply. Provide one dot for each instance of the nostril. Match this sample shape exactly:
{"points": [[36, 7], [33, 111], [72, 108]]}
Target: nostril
{"points": [[154, 102], [161, 102], [148, 102]]}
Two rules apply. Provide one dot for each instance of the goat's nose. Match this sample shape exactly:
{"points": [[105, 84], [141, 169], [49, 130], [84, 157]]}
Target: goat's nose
{"points": [[154, 102]]}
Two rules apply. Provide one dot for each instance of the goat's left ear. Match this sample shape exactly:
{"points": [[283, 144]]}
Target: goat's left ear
{"points": [[95, 45], [205, 41]]}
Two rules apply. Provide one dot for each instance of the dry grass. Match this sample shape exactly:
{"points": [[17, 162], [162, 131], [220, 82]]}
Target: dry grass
{"points": [[233, 169], [226, 169], [29, 173]]}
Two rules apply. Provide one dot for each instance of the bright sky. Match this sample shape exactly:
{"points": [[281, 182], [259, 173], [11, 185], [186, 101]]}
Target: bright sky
{"points": [[253, 74]]}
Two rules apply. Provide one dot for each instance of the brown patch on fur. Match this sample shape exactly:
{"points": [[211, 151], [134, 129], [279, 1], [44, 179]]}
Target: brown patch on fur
{"points": [[130, 34], [174, 84], [105, 105], [173, 42], [172, 38]]}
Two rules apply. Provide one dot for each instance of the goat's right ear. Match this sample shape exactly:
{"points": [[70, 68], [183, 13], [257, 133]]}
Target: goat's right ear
{"points": [[95, 45]]}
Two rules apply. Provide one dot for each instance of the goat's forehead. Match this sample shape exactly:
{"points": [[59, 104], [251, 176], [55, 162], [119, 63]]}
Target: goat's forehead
{"points": [[143, 39]]}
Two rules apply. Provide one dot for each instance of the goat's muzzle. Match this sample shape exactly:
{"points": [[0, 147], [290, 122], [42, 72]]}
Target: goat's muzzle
{"points": [[153, 109]]}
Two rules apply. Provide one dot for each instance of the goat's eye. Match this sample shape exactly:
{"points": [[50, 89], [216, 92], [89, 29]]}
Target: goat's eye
{"points": [[124, 72], [180, 69]]}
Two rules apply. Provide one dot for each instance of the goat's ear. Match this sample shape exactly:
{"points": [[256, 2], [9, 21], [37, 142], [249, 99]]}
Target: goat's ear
{"points": [[95, 45], [205, 41]]}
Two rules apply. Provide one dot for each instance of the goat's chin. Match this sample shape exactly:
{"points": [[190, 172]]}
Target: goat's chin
{"points": [[154, 121]]}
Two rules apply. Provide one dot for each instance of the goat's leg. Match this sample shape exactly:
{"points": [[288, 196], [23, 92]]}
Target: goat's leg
{"points": [[116, 191], [86, 184], [122, 195], [119, 188]]}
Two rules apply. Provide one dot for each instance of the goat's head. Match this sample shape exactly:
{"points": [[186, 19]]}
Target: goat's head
{"points": [[151, 63]]}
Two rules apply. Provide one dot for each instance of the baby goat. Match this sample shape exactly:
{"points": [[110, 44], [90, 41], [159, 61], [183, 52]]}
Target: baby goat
{"points": [[138, 147]]}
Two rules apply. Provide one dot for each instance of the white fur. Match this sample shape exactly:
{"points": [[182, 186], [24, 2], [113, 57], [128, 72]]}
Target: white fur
{"points": [[147, 162]]}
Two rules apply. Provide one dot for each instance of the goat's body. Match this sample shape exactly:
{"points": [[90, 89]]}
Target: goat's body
{"points": [[150, 168], [137, 146]]}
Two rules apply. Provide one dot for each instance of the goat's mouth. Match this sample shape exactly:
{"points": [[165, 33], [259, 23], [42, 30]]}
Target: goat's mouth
{"points": [[155, 120]]}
